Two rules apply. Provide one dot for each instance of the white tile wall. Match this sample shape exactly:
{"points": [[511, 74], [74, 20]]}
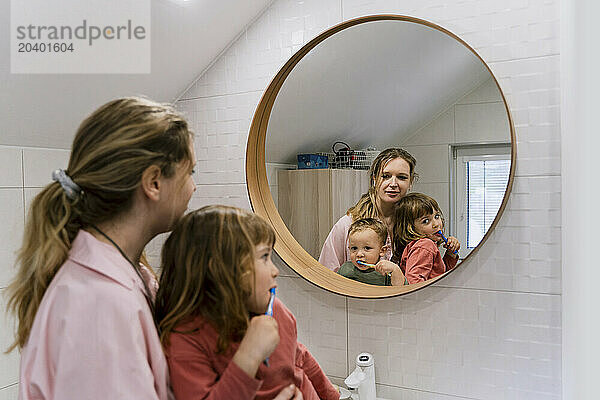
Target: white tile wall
{"points": [[26, 171], [10, 392], [433, 167], [10, 165], [11, 215], [9, 363], [481, 122], [438, 131], [322, 325], [38, 165], [439, 340], [492, 328]]}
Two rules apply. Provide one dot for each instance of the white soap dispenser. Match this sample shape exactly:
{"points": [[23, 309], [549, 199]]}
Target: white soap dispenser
{"points": [[363, 377]]}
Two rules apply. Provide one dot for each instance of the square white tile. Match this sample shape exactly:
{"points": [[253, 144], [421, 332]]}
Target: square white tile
{"points": [[11, 231], [38, 165], [9, 363], [10, 392], [11, 165]]}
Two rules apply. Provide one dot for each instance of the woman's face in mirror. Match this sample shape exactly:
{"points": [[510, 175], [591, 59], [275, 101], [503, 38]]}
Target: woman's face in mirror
{"points": [[394, 181]]}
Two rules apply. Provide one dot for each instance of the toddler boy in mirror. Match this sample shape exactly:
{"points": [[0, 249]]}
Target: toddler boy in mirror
{"points": [[366, 242]]}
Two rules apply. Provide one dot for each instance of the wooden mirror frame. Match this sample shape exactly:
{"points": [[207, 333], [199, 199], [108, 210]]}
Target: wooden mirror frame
{"points": [[286, 246]]}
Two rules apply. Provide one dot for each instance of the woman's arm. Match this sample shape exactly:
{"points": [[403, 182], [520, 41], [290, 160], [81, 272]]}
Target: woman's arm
{"points": [[333, 253]]}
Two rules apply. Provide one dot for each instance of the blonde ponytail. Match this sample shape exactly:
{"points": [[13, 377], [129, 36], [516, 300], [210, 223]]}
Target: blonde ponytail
{"points": [[49, 231]]}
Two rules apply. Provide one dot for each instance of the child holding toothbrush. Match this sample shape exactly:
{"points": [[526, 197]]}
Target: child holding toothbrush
{"points": [[366, 243], [418, 231], [216, 285]]}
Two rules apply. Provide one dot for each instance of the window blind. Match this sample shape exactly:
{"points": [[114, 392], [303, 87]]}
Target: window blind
{"points": [[486, 184]]}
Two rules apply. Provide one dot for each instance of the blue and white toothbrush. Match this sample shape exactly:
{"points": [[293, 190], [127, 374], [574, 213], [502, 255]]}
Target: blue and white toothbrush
{"points": [[446, 240], [270, 314], [365, 264], [370, 265]]}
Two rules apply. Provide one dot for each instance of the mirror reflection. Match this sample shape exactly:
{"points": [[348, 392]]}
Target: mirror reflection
{"points": [[388, 117]]}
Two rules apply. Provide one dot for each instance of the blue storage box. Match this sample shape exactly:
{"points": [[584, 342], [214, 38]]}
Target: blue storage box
{"points": [[312, 161]]}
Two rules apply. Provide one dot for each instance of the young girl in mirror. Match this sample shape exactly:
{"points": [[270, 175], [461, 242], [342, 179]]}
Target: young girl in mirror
{"points": [[418, 223], [367, 244], [214, 290]]}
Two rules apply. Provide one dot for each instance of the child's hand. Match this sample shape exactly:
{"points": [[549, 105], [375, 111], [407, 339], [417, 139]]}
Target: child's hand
{"points": [[290, 392], [453, 245], [387, 267], [260, 340]]}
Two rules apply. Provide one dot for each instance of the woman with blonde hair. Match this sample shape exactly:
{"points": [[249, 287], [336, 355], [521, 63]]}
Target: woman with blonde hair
{"points": [[82, 298], [391, 175]]}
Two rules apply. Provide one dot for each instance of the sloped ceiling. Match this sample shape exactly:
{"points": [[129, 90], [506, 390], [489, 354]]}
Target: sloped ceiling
{"points": [[374, 84], [44, 110]]}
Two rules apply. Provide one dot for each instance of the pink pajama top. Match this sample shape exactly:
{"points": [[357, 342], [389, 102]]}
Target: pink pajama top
{"points": [[421, 260], [335, 250], [199, 372], [93, 336]]}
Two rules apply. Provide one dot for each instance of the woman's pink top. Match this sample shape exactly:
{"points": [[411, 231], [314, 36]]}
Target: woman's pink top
{"points": [[198, 372], [335, 250], [421, 260], [93, 336]]}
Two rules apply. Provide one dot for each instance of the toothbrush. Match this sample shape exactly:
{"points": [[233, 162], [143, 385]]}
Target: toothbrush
{"points": [[370, 265], [270, 314], [365, 264], [445, 240]]}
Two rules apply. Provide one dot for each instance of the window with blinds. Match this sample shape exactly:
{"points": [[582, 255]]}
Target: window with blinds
{"points": [[486, 184], [480, 176]]}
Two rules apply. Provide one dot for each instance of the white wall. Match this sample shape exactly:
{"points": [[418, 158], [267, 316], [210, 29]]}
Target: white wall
{"points": [[478, 117], [580, 85], [491, 330], [24, 171]]}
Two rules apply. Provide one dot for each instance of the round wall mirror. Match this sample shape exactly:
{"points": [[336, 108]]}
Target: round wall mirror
{"points": [[360, 87]]}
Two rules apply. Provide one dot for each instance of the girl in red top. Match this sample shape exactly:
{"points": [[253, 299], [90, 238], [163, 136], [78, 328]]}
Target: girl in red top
{"points": [[418, 221], [214, 290]]}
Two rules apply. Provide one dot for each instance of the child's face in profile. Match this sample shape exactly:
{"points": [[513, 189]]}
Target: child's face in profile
{"points": [[429, 225], [265, 273], [365, 246]]}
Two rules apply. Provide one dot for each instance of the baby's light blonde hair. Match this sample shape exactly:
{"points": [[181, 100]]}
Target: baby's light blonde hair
{"points": [[370, 223]]}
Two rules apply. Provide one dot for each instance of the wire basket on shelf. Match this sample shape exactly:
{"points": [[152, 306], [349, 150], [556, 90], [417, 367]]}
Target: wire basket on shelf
{"points": [[346, 158]]}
